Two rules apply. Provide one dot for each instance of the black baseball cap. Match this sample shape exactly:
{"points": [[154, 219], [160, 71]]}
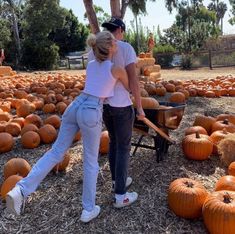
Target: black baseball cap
{"points": [[114, 23]]}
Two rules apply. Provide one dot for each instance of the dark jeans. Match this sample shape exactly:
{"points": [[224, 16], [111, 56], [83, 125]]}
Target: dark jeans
{"points": [[119, 123]]}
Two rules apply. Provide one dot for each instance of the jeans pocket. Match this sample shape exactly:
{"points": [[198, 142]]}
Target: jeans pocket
{"points": [[90, 116]]}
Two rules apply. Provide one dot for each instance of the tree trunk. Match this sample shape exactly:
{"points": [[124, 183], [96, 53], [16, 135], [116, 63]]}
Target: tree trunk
{"points": [[124, 7], [15, 32], [91, 15], [115, 8]]}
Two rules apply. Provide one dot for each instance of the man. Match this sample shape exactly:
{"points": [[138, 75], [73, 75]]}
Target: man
{"points": [[119, 116]]}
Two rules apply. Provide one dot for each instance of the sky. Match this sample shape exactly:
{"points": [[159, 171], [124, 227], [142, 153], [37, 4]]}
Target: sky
{"points": [[157, 13]]}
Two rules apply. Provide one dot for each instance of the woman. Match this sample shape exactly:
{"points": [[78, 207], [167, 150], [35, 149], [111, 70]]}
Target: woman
{"points": [[84, 114]]}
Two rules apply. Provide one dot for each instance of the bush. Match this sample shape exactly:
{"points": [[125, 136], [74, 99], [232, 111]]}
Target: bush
{"points": [[186, 62], [39, 56]]}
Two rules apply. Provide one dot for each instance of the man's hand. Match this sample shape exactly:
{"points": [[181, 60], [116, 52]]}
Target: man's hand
{"points": [[140, 114]]}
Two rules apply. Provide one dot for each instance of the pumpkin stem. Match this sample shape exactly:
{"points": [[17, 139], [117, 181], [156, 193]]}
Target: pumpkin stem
{"points": [[225, 131], [189, 184], [226, 121], [227, 198], [197, 134]]}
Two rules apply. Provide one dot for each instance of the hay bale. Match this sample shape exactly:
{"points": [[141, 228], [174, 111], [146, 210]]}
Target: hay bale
{"points": [[226, 149]]}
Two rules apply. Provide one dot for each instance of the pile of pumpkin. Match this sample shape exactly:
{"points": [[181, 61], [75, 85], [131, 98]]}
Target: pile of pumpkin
{"points": [[146, 69], [6, 71], [210, 88], [207, 133], [189, 199]]}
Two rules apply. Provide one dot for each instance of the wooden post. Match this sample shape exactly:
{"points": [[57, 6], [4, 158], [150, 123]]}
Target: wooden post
{"points": [[210, 63], [69, 63], [83, 63]]}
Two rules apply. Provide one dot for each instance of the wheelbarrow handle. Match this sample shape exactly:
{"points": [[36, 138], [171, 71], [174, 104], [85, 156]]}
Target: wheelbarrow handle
{"points": [[158, 130]]}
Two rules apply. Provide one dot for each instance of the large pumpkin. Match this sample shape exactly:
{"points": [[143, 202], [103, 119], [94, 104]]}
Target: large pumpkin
{"points": [[186, 197], [47, 133], [204, 121], [194, 129], [9, 184], [219, 212], [16, 166], [33, 119], [197, 146], [53, 120], [148, 103], [223, 124]]}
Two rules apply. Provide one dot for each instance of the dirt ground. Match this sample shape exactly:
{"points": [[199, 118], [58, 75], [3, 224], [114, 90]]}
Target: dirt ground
{"points": [[56, 205]]}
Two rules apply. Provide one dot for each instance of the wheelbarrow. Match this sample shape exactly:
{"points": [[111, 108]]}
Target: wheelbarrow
{"points": [[160, 121]]}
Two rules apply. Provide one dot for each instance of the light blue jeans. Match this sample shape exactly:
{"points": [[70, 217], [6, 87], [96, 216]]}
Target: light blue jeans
{"points": [[85, 114]]}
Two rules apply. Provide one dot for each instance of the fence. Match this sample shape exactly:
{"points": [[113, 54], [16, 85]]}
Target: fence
{"points": [[212, 59], [73, 62]]}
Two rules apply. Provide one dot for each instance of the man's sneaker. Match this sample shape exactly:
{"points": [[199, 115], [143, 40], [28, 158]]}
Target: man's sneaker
{"points": [[128, 200], [128, 183], [87, 216], [15, 201]]}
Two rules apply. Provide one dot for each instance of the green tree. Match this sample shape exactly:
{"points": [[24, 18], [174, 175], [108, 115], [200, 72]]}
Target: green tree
{"points": [[71, 36], [41, 18], [232, 19], [5, 33]]}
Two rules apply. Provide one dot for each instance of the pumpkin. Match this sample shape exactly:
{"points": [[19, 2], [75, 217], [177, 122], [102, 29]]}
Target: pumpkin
{"points": [[25, 109], [9, 184], [225, 183], [62, 165], [13, 128], [194, 129], [231, 169], [49, 108], [148, 103], [104, 142], [6, 142], [53, 120], [29, 127], [77, 137], [197, 146], [47, 133], [3, 126], [30, 140], [33, 119], [160, 91], [186, 197], [229, 117], [204, 121], [170, 87], [60, 107], [19, 120], [177, 97], [216, 137], [223, 124], [16, 166], [219, 212]]}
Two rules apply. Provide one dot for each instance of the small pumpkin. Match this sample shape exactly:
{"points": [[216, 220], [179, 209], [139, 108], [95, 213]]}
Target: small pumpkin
{"points": [[16, 166], [9, 184], [53, 120], [177, 97], [231, 169], [6, 142], [47, 133], [30, 140], [104, 142], [33, 119], [62, 165]]}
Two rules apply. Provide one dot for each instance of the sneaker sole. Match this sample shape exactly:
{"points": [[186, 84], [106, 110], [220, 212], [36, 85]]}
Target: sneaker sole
{"points": [[10, 205]]}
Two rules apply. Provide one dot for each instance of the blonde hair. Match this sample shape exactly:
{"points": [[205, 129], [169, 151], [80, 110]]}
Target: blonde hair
{"points": [[100, 44]]}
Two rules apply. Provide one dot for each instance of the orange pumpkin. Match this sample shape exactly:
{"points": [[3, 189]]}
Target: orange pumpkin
{"points": [[53, 120], [225, 183], [6, 142], [197, 147], [216, 137], [231, 169], [104, 143], [229, 117], [177, 97], [219, 212], [13, 128], [47, 133], [33, 119], [9, 184], [29, 127], [16, 166], [223, 124], [194, 129], [30, 140], [62, 165], [204, 121], [186, 197]]}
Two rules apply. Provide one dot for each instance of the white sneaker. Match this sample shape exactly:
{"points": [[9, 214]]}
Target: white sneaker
{"points": [[128, 200], [15, 201], [87, 216], [128, 183]]}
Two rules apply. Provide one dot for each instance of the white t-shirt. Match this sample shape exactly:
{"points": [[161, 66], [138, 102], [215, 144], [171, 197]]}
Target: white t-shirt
{"points": [[125, 55], [99, 79]]}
